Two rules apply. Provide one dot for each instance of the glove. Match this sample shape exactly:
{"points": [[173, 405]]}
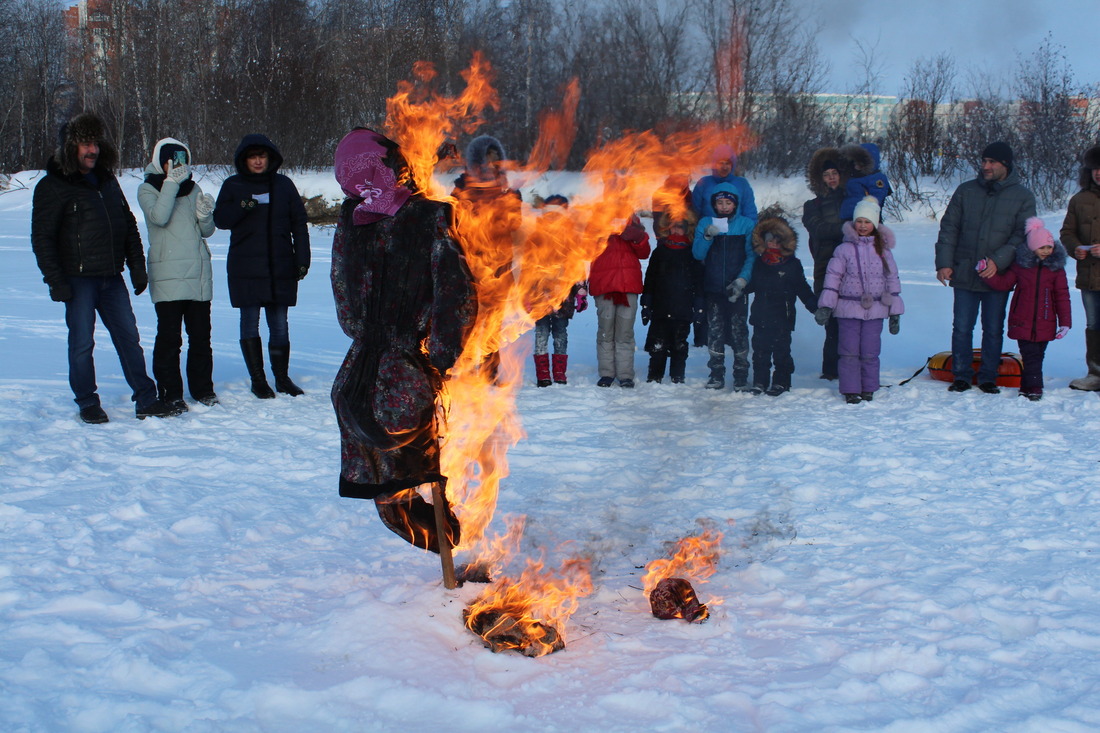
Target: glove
{"points": [[895, 324], [140, 280], [647, 314], [1062, 331], [61, 293], [710, 231], [822, 315], [735, 288], [204, 206], [302, 271], [580, 302], [177, 173]]}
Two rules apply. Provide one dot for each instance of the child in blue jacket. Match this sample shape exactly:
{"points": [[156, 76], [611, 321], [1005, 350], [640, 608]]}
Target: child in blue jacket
{"points": [[861, 163]]}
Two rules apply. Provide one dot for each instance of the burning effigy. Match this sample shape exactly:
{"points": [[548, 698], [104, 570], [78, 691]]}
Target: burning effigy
{"points": [[670, 593]]}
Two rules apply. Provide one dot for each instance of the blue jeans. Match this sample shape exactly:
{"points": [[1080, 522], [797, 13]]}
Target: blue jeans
{"points": [[108, 297], [277, 327], [992, 305], [1091, 300]]}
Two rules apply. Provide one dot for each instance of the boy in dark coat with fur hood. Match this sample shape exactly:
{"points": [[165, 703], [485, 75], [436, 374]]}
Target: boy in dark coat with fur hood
{"points": [[1040, 310], [777, 280]]}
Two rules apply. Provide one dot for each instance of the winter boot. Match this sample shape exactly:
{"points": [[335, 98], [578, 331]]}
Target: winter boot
{"points": [[717, 379], [542, 370], [560, 361], [1090, 382], [254, 362], [656, 368], [280, 363]]}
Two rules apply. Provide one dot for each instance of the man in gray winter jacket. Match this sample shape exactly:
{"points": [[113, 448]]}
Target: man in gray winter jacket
{"points": [[983, 224]]}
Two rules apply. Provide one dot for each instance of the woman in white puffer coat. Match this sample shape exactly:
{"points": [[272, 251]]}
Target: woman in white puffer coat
{"points": [[178, 216]]}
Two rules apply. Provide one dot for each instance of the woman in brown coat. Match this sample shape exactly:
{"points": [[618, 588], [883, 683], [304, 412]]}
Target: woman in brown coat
{"points": [[1081, 237]]}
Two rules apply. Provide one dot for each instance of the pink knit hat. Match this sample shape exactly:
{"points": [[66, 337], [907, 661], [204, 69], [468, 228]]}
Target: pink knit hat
{"points": [[724, 152], [1037, 234]]}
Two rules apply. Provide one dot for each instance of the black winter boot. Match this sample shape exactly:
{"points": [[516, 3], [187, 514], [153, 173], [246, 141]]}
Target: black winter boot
{"points": [[280, 363], [252, 349]]}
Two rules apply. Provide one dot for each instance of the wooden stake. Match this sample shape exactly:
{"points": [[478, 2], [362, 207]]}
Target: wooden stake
{"points": [[446, 558]]}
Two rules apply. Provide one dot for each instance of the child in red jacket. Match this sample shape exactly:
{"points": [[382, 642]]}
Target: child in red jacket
{"points": [[1040, 310]]}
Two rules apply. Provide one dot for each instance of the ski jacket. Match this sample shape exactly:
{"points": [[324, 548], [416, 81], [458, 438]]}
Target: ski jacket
{"points": [[856, 271], [983, 220], [704, 190], [268, 242], [83, 228], [618, 269], [1041, 301], [673, 278], [776, 286]]}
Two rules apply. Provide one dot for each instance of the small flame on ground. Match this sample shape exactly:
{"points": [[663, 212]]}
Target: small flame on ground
{"points": [[694, 558]]}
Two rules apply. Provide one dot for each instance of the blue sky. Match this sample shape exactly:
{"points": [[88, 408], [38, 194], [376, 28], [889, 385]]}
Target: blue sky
{"points": [[982, 35]]}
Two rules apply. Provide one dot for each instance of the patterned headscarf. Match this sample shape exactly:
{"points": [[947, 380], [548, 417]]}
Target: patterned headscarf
{"points": [[362, 173]]}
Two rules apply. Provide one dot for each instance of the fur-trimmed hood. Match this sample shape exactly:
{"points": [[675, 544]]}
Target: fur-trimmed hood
{"points": [[778, 228], [84, 128], [1054, 262], [817, 167], [859, 160], [888, 239], [1090, 161]]}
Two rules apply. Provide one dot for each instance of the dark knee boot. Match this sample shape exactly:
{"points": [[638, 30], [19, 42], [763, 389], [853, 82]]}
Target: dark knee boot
{"points": [[280, 363], [1091, 381], [252, 349], [656, 368]]}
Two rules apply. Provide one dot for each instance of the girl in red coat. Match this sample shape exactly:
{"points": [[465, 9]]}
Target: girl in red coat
{"points": [[1040, 310], [615, 281]]}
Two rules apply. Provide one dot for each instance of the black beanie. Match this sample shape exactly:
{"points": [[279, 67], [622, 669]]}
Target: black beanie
{"points": [[999, 152]]}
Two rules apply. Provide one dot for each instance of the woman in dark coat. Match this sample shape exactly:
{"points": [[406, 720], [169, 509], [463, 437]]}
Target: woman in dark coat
{"points": [[405, 297], [268, 255]]}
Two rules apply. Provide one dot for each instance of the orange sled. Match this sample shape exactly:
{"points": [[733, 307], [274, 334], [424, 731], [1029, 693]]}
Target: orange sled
{"points": [[1008, 373]]}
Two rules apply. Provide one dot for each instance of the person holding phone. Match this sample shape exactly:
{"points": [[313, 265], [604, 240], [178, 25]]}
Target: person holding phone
{"points": [[178, 215]]}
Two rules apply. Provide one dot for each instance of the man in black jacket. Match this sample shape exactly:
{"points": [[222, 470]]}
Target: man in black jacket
{"points": [[83, 235]]}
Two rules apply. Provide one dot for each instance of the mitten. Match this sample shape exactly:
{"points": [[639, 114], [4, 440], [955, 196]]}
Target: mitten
{"points": [[710, 231], [204, 206], [140, 280], [177, 173], [302, 272], [61, 292], [1062, 331], [895, 324], [580, 301], [647, 314], [980, 266], [822, 315], [735, 288]]}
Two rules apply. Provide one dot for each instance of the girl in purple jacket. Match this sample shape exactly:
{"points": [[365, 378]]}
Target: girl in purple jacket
{"points": [[861, 289], [1040, 310]]}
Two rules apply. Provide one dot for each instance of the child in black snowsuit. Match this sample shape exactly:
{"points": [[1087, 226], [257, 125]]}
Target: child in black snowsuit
{"points": [[672, 281], [777, 280]]}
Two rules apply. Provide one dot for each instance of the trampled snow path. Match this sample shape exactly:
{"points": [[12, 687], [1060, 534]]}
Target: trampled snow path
{"points": [[925, 562]]}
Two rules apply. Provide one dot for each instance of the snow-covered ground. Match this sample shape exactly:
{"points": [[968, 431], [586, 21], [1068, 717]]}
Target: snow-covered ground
{"points": [[924, 562]]}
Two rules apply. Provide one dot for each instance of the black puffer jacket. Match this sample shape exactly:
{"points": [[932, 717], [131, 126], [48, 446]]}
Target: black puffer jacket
{"points": [[672, 281], [269, 242], [83, 229]]}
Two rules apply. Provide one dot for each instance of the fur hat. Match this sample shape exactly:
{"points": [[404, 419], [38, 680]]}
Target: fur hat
{"points": [[822, 160], [856, 161], [777, 228], [1000, 152], [867, 209], [1037, 234], [86, 127], [1090, 161], [724, 152]]}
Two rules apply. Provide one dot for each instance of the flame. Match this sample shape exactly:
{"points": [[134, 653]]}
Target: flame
{"points": [[526, 609], [524, 266], [694, 558]]}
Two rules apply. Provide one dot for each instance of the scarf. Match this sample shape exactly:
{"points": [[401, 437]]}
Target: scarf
{"points": [[362, 174]]}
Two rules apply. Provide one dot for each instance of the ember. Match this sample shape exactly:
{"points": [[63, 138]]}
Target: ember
{"points": [[528, 614], [671, 596], [675, 598]]}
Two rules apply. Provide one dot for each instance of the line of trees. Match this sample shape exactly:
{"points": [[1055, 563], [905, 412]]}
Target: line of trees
{"points": [[305, 71]]}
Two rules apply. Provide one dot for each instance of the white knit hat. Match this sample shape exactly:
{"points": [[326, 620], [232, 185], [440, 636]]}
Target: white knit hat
{"points": [[867, 209]]}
